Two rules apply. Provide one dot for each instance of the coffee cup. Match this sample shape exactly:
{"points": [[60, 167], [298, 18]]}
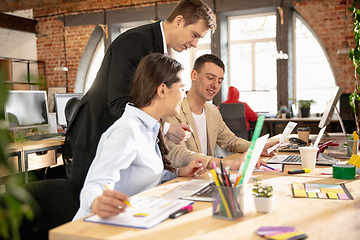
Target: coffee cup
{"points": [[303, 134]]}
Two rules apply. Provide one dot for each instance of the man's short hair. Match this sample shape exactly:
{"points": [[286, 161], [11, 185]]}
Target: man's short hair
{"points": [[200, 61], [193, 11]]}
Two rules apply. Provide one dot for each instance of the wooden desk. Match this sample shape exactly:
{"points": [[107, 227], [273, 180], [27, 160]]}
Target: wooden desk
{"points": [[277, 125], [319, 219], [35, 154]]}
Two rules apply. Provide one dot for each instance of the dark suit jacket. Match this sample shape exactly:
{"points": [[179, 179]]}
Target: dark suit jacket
{"points": [[105, 101]]}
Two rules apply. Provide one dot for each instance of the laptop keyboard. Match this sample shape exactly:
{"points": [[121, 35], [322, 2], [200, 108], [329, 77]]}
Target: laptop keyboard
{"points": [[292, 158], [204, 192]]}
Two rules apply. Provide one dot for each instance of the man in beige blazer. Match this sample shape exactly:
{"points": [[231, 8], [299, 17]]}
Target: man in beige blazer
{"points": [[205, 119]]}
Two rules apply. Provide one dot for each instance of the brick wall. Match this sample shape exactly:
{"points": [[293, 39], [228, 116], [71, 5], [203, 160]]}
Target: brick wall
{"points": [[50, 44], [327, 19]]}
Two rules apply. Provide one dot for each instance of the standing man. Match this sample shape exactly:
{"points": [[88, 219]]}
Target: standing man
{"points": [[205, 119], [105, 101]]}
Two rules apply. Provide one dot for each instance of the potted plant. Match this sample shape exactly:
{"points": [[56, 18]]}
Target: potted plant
{"points": [[304, 106], [355, 58], [264, 199]]}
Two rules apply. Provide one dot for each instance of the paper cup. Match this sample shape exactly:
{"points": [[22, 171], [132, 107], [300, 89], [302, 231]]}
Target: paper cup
{"points": [[308, 157]]}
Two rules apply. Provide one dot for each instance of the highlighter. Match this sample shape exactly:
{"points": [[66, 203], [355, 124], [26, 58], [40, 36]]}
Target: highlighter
{"points": [[181, 212], [296, 171]]}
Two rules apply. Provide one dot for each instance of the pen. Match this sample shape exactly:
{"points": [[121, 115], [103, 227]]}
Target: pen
{"points": [[296, 171], [181, 212], [125, 201], [269, 167]]}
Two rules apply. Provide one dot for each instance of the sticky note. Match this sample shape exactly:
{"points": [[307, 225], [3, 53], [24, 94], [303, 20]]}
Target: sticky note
{"points": [[312, 195], [322, 195], [332, 195], [331, 190], [332, 186], [299, 193], [343, 196]]}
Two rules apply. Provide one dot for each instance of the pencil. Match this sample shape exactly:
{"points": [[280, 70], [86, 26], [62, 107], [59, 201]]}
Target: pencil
{"points": [[269, 167], [125, 201]]}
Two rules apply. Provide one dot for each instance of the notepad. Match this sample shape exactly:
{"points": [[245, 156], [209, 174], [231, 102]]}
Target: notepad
{"points": [[321, 191], [147, 212]]}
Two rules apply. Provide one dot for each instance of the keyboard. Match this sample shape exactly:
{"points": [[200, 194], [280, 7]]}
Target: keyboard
{"points": [[204, 192], [44, 136], [292, 159]]}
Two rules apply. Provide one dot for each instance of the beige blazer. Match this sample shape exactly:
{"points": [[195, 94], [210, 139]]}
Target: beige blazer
{"points": [[217, 133]]}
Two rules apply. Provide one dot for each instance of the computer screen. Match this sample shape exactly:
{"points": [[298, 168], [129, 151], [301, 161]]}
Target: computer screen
{"points": [[60, 101], [329, 110], [26, 109]]}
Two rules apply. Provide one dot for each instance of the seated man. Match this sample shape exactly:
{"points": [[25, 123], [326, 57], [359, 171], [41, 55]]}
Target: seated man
{"points": [[205, 119]]}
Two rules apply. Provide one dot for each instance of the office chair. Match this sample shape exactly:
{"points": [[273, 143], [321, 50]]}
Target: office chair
{"points": [[67, 155], [234, 116], [70, 108], [55, 202]]}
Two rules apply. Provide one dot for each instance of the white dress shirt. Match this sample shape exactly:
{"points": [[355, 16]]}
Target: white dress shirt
{"points": [[128, 159]]}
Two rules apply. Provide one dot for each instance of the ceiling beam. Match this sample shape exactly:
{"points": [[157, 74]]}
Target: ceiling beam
{"points": [[15, 5], [17, 23]]}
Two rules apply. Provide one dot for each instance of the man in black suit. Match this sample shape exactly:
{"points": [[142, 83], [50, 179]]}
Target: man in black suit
{"points": [[105, 101]]}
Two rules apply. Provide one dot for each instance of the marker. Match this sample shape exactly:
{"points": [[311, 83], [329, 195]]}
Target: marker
{"points": [[296, 171], [269, 167], [326, 173], [125, 201], [181, 212]]}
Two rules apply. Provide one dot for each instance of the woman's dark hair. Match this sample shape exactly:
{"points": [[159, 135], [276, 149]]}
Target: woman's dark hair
{"points": [[153, 70]]}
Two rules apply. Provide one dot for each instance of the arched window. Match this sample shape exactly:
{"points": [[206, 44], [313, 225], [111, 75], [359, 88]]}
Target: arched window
{"points": [[314, 77]]}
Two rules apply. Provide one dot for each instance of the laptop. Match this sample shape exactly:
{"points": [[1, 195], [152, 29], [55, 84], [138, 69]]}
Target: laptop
{"points": [[200, 190], [296, 159]]}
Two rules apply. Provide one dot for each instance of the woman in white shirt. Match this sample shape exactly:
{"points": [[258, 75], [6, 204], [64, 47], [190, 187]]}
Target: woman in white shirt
{"points": [[131, 155]]}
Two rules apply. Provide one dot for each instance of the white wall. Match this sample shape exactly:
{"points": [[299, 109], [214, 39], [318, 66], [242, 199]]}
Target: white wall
{"points": [[16, 44]]}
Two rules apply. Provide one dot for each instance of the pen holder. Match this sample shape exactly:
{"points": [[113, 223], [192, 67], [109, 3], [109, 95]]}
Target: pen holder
{"points": [[352, 147], [228, 202]]}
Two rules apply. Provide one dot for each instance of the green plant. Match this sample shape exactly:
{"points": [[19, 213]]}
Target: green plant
{"points": [[306, 103], [355, 58], [261, 191], [15, 203]]}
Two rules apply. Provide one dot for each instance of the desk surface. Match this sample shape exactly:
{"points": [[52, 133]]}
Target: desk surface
{"points": [[318, 218], [299, 119]]}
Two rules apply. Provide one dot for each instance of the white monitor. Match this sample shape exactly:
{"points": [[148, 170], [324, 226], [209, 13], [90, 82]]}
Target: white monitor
{"points": [[26, 109], [60, 101], [331, 105]]}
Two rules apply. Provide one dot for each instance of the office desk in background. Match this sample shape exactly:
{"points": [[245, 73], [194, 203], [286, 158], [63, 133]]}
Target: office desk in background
{"points": [[31, 155], [318, 218], [277, 125]]}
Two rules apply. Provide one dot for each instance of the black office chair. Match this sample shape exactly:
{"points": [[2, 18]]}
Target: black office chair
{"points": [[234, 116], [56, 202], [67, 155]]}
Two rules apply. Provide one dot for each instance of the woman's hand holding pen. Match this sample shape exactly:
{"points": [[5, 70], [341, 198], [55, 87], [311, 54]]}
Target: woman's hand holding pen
{"points": [[194, 169], [109, 204]]}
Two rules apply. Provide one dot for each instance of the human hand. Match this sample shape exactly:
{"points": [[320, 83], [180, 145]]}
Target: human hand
{"points": [[235, 163], [179, 132], [267, 146], [109, 204], [195, 168]]}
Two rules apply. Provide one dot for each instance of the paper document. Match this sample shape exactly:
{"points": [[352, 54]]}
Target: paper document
{"points": [[286, 133], [147, 212]]}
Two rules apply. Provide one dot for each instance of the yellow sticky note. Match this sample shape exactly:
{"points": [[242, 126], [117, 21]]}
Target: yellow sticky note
{"points": [[283, 236], [332, 195], [312, 195], [299, 193], [331, 190]]}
